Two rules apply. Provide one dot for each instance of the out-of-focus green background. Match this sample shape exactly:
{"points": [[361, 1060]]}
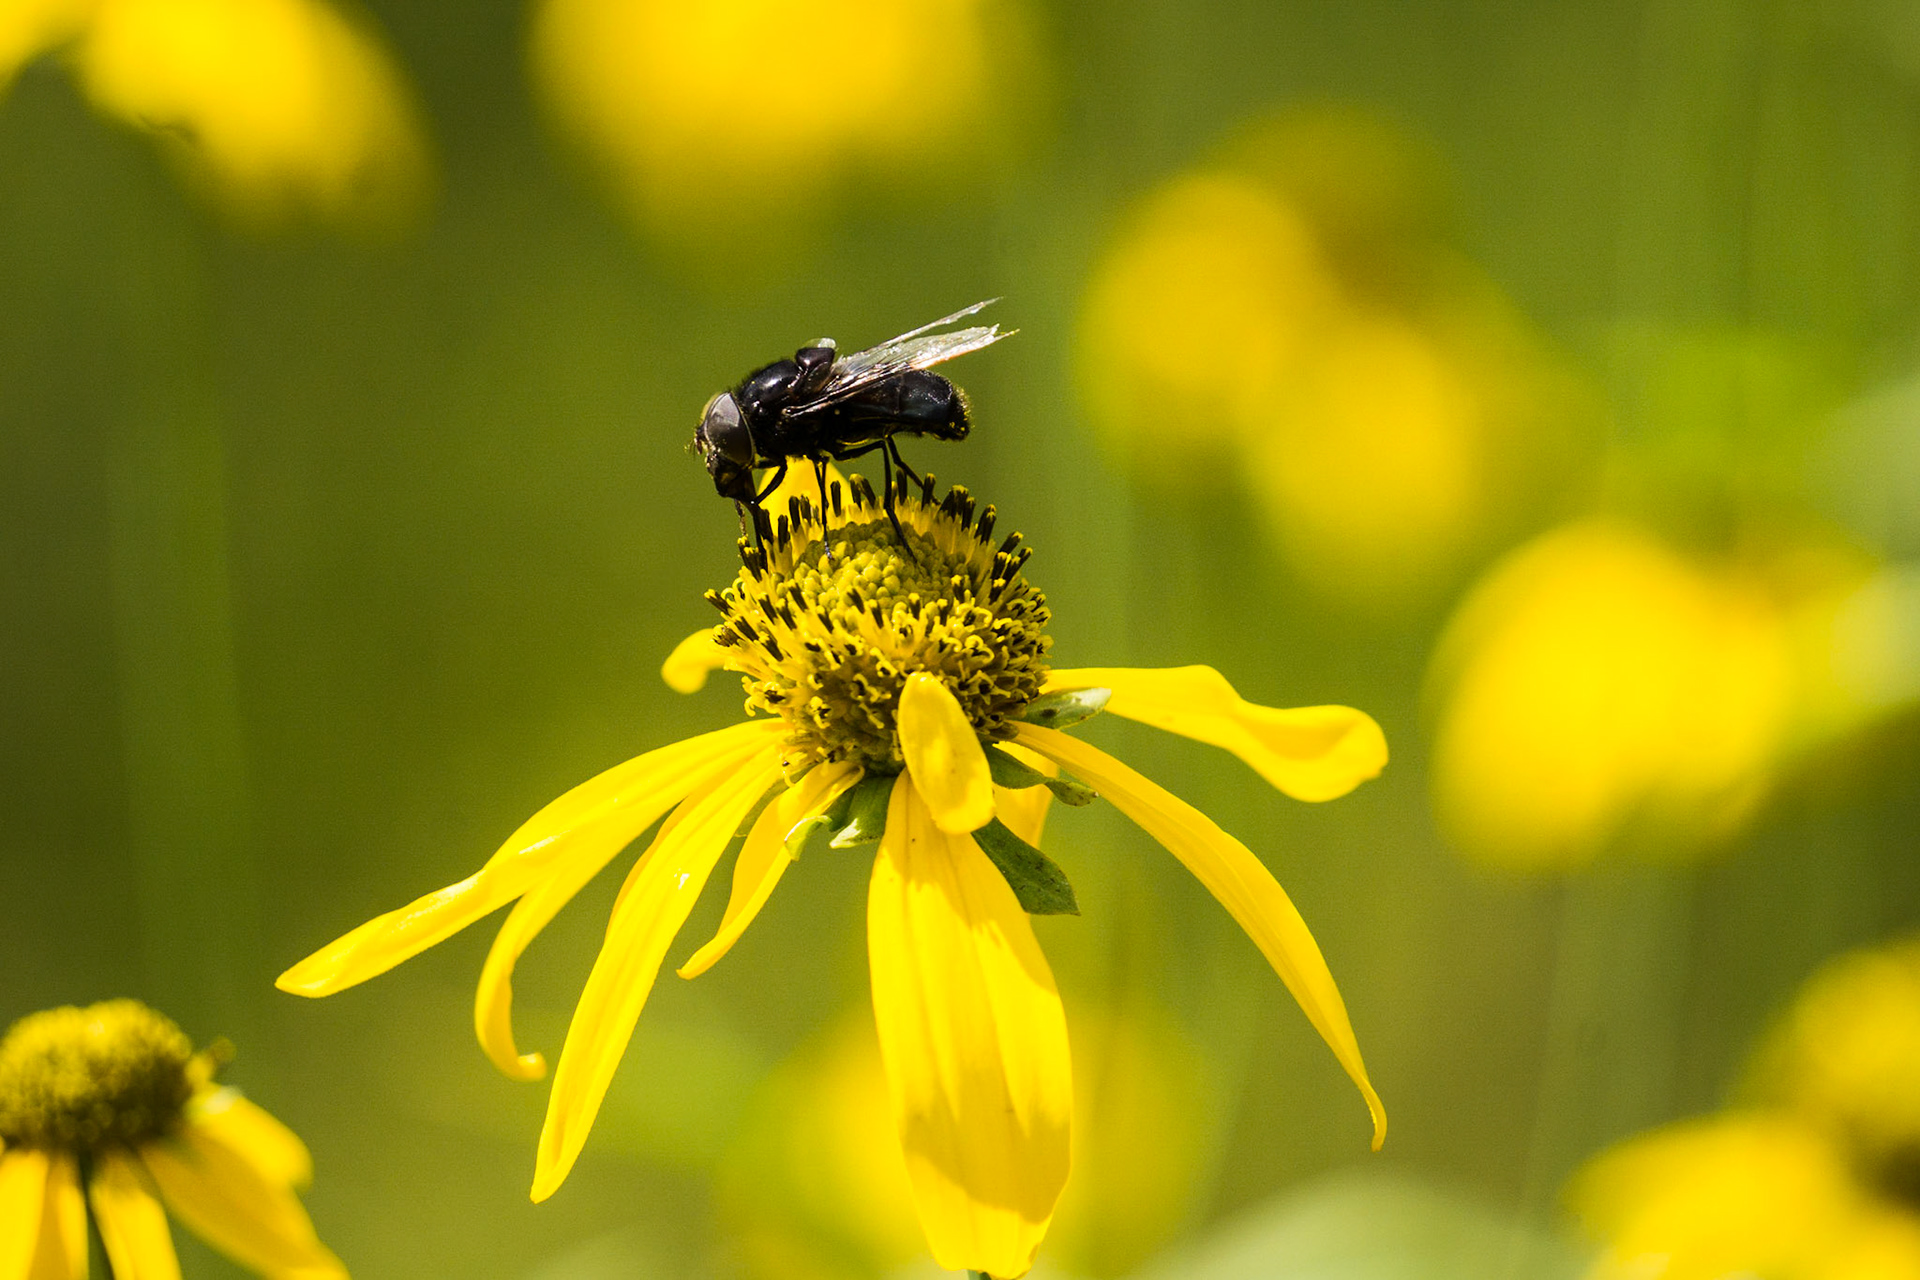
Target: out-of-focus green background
{"points": [[330, 552]]}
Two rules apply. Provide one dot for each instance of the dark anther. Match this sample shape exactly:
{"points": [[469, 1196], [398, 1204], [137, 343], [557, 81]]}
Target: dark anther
{"points": [[713, 598], [1013, 540], [983, 530], [862, 491], [834, 492]]}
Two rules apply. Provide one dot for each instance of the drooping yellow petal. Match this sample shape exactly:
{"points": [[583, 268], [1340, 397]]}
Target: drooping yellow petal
{"points": [[254, 1220], [23, 1188], [1025, 810], [692, 661], [275, 1150], [765, 856], [974, 1042], [1239, 880], [626, 798], [132, 1225], [653, 905], [493, 999], [1310, 753], [54, 1238], [944, 755]]}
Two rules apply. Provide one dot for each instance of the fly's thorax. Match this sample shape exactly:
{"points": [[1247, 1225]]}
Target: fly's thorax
{"points": [[828, 619], [111, 1074]]}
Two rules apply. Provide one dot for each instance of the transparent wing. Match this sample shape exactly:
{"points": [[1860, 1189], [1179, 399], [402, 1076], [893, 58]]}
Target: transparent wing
{"points": [[916, 349]]}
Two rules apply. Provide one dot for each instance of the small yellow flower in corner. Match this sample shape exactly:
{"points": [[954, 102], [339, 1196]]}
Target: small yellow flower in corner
{"points": [[108, 1110], [899, 700], [1815, 1175]]}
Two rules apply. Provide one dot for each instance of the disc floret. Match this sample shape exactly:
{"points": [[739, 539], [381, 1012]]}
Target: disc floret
{"points": [[832, 612], [112, 1074]]}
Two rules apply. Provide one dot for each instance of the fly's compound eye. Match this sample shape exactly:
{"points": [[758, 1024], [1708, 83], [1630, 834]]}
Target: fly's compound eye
{"points": [[726, 444]]}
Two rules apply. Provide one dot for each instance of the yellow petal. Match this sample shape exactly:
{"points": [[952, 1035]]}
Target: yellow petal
{"points": [[692, 661], [493, 999], [974, 1042], [23, 1192], [1311, 753], [1239, 880], [626, 798], [765, 856], [254, 1220], [62, 1253], [1024, 811], [944, 755], [132, 1224], [653, 904], [275, 1150]]}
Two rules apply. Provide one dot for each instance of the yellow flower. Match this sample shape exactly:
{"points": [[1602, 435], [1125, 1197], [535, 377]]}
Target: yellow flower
{"points": [[107, 1109], [1817, 1177], [900, 699], [1599, 687], [275, 108], [1291, 312], [741, 114]]}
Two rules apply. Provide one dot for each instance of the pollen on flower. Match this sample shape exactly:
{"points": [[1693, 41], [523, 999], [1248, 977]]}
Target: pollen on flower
{"points": [[73, 1079], [831, 614]]}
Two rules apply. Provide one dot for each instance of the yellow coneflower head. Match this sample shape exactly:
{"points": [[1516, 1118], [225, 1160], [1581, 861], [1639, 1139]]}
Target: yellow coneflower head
{"points": [[108, 1115], [899, 701], [829, 618], [114, 1073]]}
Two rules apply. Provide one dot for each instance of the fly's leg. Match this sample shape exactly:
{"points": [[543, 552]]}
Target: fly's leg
{"points": [[893, 518], [778, 476], [820, 477], [888, 482], [893, 451]]}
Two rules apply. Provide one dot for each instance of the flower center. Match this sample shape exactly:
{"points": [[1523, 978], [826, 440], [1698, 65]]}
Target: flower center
{"points": [[829, 618], [114, 1073]]}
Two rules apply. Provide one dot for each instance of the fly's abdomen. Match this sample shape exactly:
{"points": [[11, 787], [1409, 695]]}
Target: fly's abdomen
{"points": [[915, 403]]}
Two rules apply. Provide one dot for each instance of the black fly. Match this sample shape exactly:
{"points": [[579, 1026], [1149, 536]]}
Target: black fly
{"points": [[821, 405]]}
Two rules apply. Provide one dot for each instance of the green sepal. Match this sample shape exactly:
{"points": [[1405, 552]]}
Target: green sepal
{"points": [[862, 811], [805, 834], [1036, 880], [1015, 774], [1066, 707]]}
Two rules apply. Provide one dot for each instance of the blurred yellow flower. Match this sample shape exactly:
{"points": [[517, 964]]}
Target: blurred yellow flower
{"points": [[816, 1188], [901, 699], [1597, 686], [113, 1097], [1600, 690], [1818, 1178], [276, 109], [734, 115], [1291, 312]]}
